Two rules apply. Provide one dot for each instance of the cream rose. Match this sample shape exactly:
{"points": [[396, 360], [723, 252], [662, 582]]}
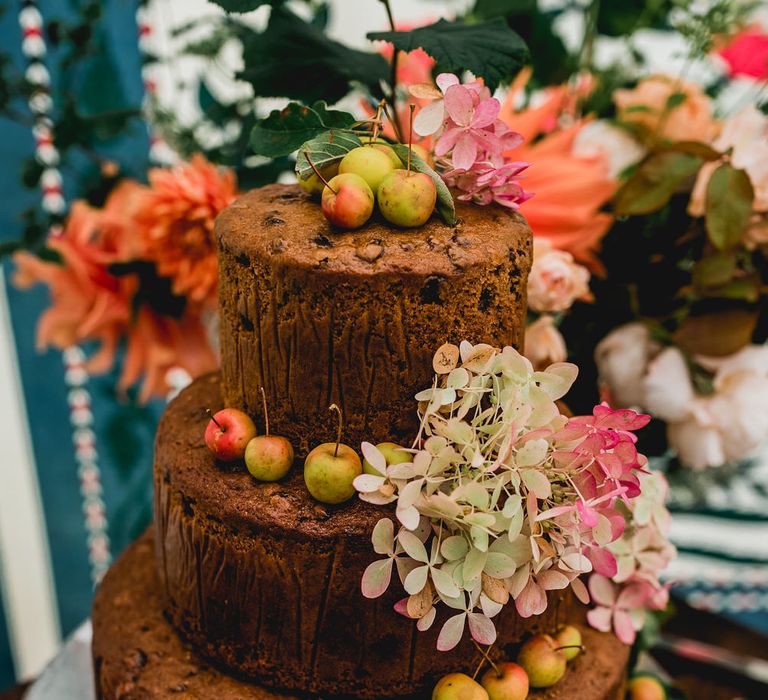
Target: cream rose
{"points": [[544, 344], [615, 146], [555, 281], [645, 105]]}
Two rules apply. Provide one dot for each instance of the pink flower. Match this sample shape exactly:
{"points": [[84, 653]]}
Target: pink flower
{"points": [[469, 127], [556, 280], [623, 609], [747, 55], [484, 183]]}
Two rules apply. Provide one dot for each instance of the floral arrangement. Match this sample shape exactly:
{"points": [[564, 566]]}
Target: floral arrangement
{"points": [[140, 269], [506, 498]]}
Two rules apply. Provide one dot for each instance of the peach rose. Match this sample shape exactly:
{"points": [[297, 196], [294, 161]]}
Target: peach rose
{"points": [[556, 281], [544, 344], [645, 105]]}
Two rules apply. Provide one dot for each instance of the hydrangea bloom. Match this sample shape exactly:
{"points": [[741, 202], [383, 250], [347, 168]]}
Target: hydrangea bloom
{"points": [[471, 141], [506, 498]]}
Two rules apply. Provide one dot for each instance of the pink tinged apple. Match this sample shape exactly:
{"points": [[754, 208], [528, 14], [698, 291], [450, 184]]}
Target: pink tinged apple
{"points": [[347, 201], [506, 681], [228, 433]]}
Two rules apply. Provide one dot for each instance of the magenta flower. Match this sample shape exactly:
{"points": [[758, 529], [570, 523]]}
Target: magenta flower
{"points": [[469, 129], [484, 183], [621, 608]]}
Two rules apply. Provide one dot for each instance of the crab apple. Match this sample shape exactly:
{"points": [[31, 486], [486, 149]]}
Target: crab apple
{"points": [[458, 686], [568, 638], [347, 201], [406, 198], [228, 433], [393, 454], [370, 163], [541, 660], [646, 688], [314, 185], [507, 681], [329, 471], [384, 147], [330, 468], [268, 457]]}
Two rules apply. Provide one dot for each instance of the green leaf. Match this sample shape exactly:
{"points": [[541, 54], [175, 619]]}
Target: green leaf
{"points": [[50, 255], [675, 100], [693, 148], [324, 150], [9, 248], [717, 334], [655, 181], [742, 289], [486, 9], [491, 50], [243, 5], [729, 205], [295, 59], [714, 270], [445, 205], [284, 130]]}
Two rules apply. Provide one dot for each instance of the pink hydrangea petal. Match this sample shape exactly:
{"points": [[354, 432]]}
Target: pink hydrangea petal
{"points": [[447, 140], [429, 119], [603, 562], [623, 627], [580, 590], [602, 589], [445, 80], [481, 628], [485, 113], [450, 634], [600, 618], [531, 601], [458, 104], [634, 596], [588, 515], [376, 578], [464, 152]]}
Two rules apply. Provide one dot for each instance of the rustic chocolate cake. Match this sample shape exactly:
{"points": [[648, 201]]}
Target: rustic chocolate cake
{"points": [[315, 315], [260, 582]]}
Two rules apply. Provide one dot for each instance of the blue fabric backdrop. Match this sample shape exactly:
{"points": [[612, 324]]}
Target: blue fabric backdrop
{"points": [[124, 431]]}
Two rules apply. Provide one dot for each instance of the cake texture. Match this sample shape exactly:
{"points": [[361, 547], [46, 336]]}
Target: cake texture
{"points": [[317, 315], [139, 656], [266, 582]]}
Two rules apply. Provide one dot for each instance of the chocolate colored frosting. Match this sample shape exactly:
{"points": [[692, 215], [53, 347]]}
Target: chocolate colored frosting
{"points": [[138, 655], [266, 581], [317, 315]]}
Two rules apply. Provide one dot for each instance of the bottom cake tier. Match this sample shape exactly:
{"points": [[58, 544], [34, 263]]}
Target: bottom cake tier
{"points": [[138, 655]]}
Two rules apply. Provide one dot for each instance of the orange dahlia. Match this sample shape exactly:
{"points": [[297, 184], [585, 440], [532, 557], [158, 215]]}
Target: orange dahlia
{"points": [[569, 190], [174, 217]]}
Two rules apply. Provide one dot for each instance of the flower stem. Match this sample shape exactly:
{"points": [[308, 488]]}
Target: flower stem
{"points": [[393, 75]]}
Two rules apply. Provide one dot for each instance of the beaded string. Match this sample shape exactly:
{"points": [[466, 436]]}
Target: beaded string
{"points": [[76, 375]]}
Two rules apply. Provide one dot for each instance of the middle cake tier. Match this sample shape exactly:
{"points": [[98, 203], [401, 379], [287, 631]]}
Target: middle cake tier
{"points": [[266, 582], [317, 316]]}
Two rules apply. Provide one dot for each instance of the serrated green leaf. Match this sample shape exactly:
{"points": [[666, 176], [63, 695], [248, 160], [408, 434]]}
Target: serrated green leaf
{"points": [[729, 206], [292, 58], [445, 204], [657, 178], [284, 130], [490, 50], [325, 149]]}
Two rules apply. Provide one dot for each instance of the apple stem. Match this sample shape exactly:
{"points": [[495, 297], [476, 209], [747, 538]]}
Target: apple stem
{"points": [[377, 121], [317, 172], [219, 425], [266, 412], [410, 136], [572, 646], [334, 407], [484, 654]]}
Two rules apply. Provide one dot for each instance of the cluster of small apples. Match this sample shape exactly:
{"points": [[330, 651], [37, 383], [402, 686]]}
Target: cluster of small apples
{"points": [[371, 174], [329, 469], [541, 662], [231, 436]]}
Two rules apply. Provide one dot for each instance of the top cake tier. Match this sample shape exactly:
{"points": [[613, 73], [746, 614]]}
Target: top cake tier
{"points": [[317, 316]]}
